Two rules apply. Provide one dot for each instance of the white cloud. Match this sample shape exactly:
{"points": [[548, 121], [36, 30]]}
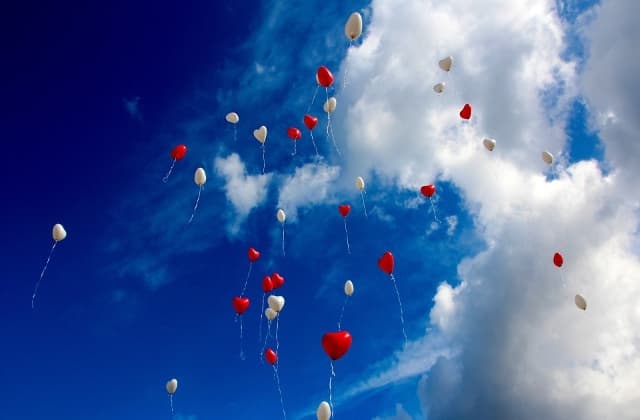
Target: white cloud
{"points": [[452, 223], [400, 414], [132, 106]]}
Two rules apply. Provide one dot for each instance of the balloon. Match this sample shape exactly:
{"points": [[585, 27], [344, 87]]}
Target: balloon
{"points": [[330, 104], [172, 386], [270, 314], [348, 288], [267, 284], [260, 134], [253, 254], [353, 27], [281, 215], [428, 190], [439, 87], [446, 63], [270, 356], [547, 157], [465, 112], [344, 209], [276, 302], [310, 121], [360, 183], [294, 134], [240, 304], [386, 262], [277, 280], [324, 77], [580, 302], [200, 177], [489, 144], [336, 344], [178, 152], [58, 233], [232, 117], [557, 259], [324, 411]]}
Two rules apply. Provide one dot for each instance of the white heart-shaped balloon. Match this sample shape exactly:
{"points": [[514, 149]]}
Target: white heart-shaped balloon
{"points": [[270, 314], [172, 386], [260, 134], [200, 177], [330, 104], [348, 288], [58, 233], [232, 117], [276, 302], [581, 302], [489, 144], [323, 411], [547, 157], [439, 87], [446, 63]]}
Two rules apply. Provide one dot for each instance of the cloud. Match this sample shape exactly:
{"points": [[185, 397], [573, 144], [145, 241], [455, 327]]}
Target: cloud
{"points": [[400, 414], [132, 106]]}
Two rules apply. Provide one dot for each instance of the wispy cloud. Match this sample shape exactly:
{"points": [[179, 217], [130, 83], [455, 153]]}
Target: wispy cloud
{"points": [[132, 106]]}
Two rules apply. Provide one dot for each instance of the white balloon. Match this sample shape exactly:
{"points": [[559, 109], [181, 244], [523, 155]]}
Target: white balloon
{"points": [[581, 303], [281, 215], [547, 157], [58, 232], [324, 411], [171, 386], [270, 314], [353, 27], [330, 104], [439, 87], [446, 63], [348, 288], [232, 117], [200, 177], [260, 134], [276, 302], [489, 144], [360, 183]]}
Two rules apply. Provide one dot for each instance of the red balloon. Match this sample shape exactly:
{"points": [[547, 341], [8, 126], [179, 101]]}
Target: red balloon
{"points": [[428, 190], [267, 284], [310, 121], [465, 113], [178, 152], [294, 134], [240, 304], [277, 280], [557, 259], [386, 262], [324, 77], [270, 356], [253, 254], [344, 209], [336, 344]]}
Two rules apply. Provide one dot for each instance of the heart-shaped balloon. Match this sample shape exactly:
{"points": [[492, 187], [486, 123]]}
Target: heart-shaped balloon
{"points": [[439, 87], [294, 134], [277, 280], [267, 284], [489, 144], [260, 134], [270, 314], [344, 209], [386, 262], [428, 190], [310, 121], [253, 254], [324, 77], [270, 356], [465, 112], [240, 304], [330, 105], [323, 412], [178, 152], [557, 259], [336, 344], [276, 302]]}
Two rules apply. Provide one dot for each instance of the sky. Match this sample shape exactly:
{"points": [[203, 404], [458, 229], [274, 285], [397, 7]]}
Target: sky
{"points": [[96, 96]]}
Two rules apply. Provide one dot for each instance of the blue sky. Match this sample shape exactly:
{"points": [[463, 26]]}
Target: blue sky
{"points": [[95, 97]]}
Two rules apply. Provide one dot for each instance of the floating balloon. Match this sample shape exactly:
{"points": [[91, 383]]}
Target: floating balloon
{"points": [[348, 288], [177, 153], [238, 302], [428, 191], [324, 411], [465, 112], [310, 122], [233, 118], [557, 259], [439, 87], [171, 386], [200, 177], [260, 135], [547, 157], [270, 314], [344, 210], [353, 27], [360, 187], [276, 303], [489, 144], [386, 263], [329, 107], [240, 305], [270, 356], [324, 77], [253, 254], [58, 233], [267, 286], [581, 303], [335, 344], [278, 280], [446, 63], [281, 216], [295, 135]]}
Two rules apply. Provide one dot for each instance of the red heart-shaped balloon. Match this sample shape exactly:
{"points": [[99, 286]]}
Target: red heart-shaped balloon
{"points": [[310, 121], [178, 152], [428, 190], [344, 209], [277, 280], [240, 304], [386, 262], [253, 254], [324, 76], [267, 284], [557, 259], [270, 356], [465, 113], [294, 134], [336, 344]]}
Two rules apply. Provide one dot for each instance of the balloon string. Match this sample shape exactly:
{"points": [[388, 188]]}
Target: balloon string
{"points": [[195, 207], [314, 143], [241, 346], [277, 378], [330, 127], [346, 299], [166, 177], [363, 204], [264, 162], [260, 326], [283, 254], [266, 337], [173, 413], [46, 264], [395, 285], [331, 376], [244, 288], [313, 99], [433, 208], [347, 235], [295, 148], [235, 134], [277, 326]]}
